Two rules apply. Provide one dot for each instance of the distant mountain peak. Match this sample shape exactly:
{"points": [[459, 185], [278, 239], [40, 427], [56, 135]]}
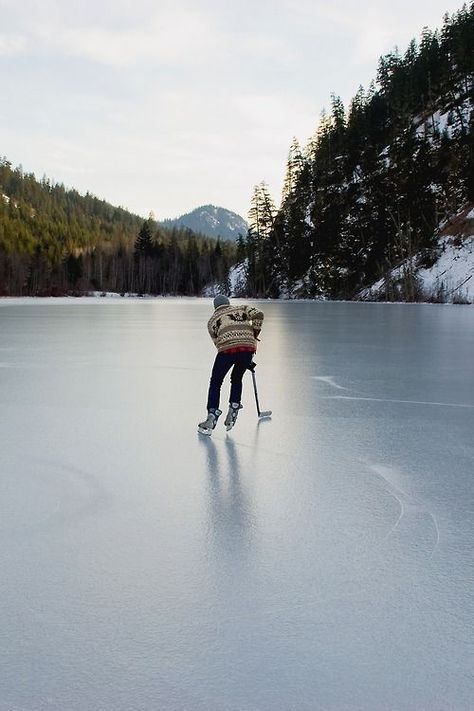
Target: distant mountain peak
{"points": [[212, 221]]}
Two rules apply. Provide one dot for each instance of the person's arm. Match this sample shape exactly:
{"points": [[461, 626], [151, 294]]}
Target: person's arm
{"points": [[213, 329], [256, 316]]}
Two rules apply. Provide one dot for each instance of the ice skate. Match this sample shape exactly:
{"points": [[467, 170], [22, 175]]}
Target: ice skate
{"points": [[234, 408], [209, 424]]}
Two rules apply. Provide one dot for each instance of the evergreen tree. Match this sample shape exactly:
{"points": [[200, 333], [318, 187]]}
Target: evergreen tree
{"points": [[294, 166], [144, 242], [263, 252]]}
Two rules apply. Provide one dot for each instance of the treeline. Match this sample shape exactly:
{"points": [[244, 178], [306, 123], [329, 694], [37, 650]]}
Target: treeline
{"points": [[372, 186], [55, 241]]}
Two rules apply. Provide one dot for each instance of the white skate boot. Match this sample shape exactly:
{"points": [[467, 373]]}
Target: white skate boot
{"points": [[234, 408], [209, 424]]}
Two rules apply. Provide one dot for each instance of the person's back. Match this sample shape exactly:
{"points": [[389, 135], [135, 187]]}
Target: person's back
{"points": [[234, 328]]}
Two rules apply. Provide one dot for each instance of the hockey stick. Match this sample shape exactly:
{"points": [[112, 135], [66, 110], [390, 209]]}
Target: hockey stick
{"points": [[260, 413]]}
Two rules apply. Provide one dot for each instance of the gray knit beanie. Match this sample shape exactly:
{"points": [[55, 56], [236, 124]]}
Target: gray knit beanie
{"points": [[221, 300]]}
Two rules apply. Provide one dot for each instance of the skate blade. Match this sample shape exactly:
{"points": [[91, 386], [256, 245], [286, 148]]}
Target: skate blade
{"points": [[205, 432]]}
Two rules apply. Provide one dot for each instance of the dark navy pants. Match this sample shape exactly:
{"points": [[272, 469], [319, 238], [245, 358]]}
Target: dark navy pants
{"points": [[239, 362]]}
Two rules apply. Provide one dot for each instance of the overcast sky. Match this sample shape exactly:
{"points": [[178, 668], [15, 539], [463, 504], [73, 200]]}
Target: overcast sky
{"points": [[162, 106]]}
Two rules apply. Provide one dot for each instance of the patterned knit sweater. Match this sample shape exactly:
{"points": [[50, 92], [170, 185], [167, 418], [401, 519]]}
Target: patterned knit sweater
{"points": [[235, 327]]}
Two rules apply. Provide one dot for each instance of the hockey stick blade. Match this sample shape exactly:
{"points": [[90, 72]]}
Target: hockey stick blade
{"points": [[265, 413]]}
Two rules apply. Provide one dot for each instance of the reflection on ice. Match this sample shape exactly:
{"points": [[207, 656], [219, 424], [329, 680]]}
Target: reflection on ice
{"points": [[230, 516]]}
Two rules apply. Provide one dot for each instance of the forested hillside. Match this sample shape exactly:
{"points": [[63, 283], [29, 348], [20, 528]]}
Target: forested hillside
{"points": [[377, 180], [56, 241]]}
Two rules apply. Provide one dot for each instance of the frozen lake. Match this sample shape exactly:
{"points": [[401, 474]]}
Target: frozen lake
{"points": [[320, 560]]}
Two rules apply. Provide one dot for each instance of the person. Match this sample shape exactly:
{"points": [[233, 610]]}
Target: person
{"points": [[235, 331]]}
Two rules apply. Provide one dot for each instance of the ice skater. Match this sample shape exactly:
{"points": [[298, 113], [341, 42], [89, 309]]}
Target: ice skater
{"points": [[235, 331]]}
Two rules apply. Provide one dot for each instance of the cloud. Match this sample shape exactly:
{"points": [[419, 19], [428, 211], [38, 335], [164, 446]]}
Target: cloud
{"points": [[155, 42], [12, 44], [260, 45], [127, 35], [167, 33]]}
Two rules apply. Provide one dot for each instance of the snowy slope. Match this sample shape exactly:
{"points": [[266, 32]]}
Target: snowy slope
{"points": [[238, 278], [451, 278], [453, 273]]}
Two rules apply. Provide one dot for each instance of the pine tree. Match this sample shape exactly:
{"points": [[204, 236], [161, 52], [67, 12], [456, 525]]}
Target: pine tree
{"points": [[264, 252], [294, 166], [144, 241]]}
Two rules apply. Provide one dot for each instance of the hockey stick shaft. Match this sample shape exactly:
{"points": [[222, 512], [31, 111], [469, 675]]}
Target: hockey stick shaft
{"points": [[254, 380]]}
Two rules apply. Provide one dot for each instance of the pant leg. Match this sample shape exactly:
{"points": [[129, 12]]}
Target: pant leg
{"points": [[242, 362], [222, 364]]}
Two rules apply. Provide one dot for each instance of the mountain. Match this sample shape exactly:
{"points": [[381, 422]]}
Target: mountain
{"points": [[211, 221]]}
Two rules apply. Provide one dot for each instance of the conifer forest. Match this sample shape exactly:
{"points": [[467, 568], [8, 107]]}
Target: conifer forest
{"points": [[54, 241], [377, 180]]}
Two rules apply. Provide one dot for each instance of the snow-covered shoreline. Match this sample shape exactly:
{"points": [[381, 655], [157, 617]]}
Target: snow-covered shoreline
{"points": [[133, 299]]}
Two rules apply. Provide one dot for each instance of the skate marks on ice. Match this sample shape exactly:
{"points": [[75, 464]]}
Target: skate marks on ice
{"points": [[402, 402], [328, 380], [63, 495], [411, 509], [364, 397], [412, 512]]}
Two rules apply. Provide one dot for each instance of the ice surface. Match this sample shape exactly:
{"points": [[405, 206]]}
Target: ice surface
{"points": [[320, 560]]}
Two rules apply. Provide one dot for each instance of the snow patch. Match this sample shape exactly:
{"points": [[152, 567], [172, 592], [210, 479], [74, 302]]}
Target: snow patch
{"points": [[453, 272], [235, 284], [238, 279], [450, 279]]}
